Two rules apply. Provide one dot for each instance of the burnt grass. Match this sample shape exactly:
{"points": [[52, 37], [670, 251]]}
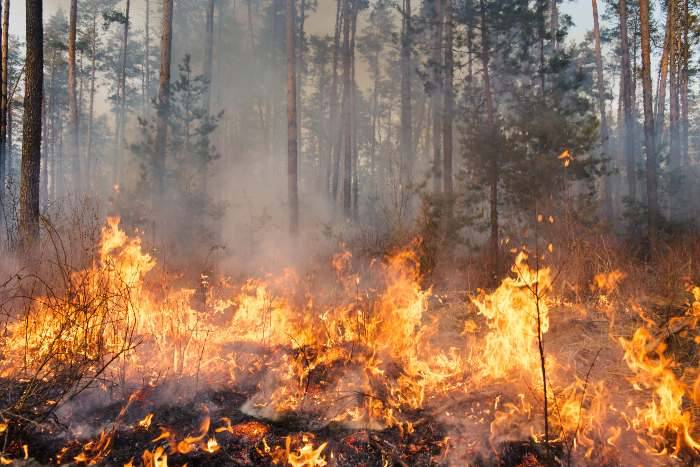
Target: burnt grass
{"points": [[424, 446]]}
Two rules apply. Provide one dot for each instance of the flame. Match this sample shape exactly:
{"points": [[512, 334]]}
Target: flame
{"points": [[608, 282], [157, 458], [96, 450], [362, 349], [212, 445], [665, 411], [145, 423], [306, 456], [511, 312]]}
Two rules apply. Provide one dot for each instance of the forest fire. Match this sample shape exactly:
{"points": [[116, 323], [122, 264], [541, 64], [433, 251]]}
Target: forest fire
{"points": [[349, 233], [279, 371]]}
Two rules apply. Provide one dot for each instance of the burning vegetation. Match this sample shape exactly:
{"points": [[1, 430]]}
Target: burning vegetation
{"points": [[353, 363], [376, 233]]}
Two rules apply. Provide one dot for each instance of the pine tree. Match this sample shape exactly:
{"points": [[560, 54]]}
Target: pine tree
{"points": [[31, 143], [292, 144]]}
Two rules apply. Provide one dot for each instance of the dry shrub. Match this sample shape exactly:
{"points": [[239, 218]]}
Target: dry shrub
{"points": [[63, 327]]}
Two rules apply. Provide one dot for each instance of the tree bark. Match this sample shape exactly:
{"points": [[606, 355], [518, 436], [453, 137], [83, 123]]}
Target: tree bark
{"points": [[147, 58], [163, 97], [406, 142], [436, 94], [292, 147], [346, 130], [683, 88], [91, 105], [121, 113], [353, 119], [209, 51], [660, 110], [628, 142], [652, 195], [674, 104], [554, 22], [73, 116], [31, 140], [604, 132], [334, 134], [447, 182], [375, 69], [301, 70], [490, 121], [3, 111]]}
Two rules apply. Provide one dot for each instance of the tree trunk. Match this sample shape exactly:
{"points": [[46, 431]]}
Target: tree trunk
{"points": [[652, 195], [604, 133], [628, 142], [674, 114], [121, 94], [209, 51], [406, 142], [292, 155], [447, 182], [3, 114], [554, 23], [31, 140], [251, 34], [301, 70], [683, 88], [347, 133], [48, 145], [490, 121], [353, 119], [436, 94], [334, 154], [147, 58], [663, 76], [73, 139], [91, 111], [163, 97]]}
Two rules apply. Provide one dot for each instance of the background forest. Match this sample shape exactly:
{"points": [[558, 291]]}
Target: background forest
{"points": [[455, 120]]}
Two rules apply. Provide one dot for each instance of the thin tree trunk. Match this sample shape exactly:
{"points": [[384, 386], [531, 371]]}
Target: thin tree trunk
{"points": [[347, 133], [3, 112], [663, 76], [447, 182], [209, 51], [209, 75], [376, 71], [491, 121], [251, 34], [436, 94], [147, 58], [31, 142], [301, 70], [674, 114], [121, 114], [554, 23], [163, 97], [334, 154], [683, 88], [406, 142], [604, 133], [91, 111], [353, 119], [628, 142], [73, 140], [47, 156], [292, 155], [652, 195]]}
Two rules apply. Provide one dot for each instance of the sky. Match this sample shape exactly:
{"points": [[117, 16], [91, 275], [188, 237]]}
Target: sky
{"points": [[579, 10]]}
